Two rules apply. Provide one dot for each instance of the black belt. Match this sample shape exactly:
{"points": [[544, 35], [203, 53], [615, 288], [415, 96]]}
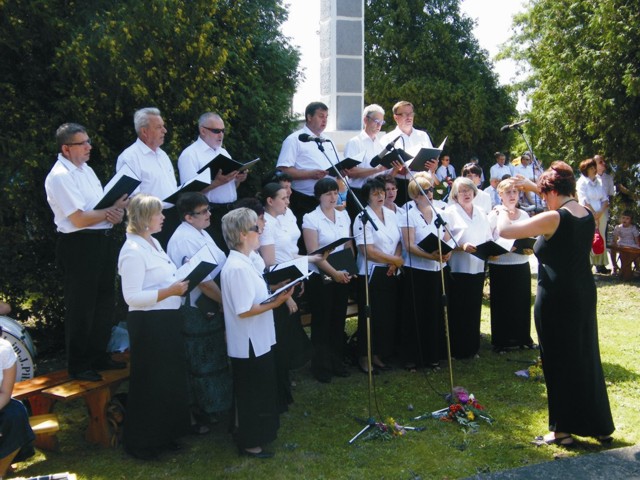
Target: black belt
{"points": [[102, 231], [221, 206]]}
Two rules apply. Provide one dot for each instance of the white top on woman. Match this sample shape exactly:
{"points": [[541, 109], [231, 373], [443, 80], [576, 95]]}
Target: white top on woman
{"points": [[283, 233], [328, 231], [144, 271], [243, 287], [422, 229], [510, 258], [386, 238], [474, 230]]}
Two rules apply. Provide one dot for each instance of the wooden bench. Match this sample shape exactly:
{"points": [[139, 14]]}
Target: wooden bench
{"points": [[42, 393], [627, 256], [97, 396], [45, 427]]}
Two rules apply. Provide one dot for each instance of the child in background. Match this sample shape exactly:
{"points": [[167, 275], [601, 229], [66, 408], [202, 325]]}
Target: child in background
{"points": [[625, 235]]}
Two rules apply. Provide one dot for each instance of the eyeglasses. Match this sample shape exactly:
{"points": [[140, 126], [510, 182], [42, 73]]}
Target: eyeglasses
{"points": [[376, 121], [79, 144], [406, 114], [255, 228], [427, 190], [214, 130], [201, 212]]}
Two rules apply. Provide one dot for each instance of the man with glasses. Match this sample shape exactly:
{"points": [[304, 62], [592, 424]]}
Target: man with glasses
{"points": [[366, 141], [85, 252], [408, 138], [152, 165], [222, 192]]}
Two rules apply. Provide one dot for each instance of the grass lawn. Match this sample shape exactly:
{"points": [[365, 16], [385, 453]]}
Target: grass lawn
{"points": [[314, 434]]}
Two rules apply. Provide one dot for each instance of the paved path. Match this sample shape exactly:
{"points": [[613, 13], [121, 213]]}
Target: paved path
{"points": [[614, 464]]}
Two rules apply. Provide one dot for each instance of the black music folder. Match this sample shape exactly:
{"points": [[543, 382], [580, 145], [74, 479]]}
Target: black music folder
{"points": [[227, 165], [422, 156], [286, 287], [331, 246], [287, 271], [123, 182], [343, 260], [390, 157], [523, 244], [196, 184], [489, 249], [430, 244]]}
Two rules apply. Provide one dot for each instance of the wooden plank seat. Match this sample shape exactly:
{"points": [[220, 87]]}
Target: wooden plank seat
{"points": [[627, 256], [45, 428], [97, 396]]}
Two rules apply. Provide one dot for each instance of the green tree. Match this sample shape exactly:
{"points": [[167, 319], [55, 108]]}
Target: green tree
{"points": [[95, 63], [424, 52], [584, 82]]}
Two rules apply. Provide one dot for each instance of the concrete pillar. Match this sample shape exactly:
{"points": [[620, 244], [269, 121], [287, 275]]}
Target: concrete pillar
{"points": [[342, 65]]}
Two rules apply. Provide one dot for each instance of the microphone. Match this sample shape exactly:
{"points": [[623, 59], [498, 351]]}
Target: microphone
{"points": [[305, 137], [381, 155], [514, 125]]}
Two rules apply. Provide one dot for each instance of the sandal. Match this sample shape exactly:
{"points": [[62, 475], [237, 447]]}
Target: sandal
{"points": [[551, 439], [605, 439]]}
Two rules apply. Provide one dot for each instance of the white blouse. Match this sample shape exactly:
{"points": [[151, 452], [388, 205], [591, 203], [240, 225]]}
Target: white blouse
{"points": [[385, 239], [422, 229], [474, 230], [327, 230], [510, 258], [283, 233], [7, 357], [144, 271], [242, 287], [185, 242]]}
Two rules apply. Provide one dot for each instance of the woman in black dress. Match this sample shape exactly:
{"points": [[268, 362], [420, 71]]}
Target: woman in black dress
{"points": [[565, 309]]}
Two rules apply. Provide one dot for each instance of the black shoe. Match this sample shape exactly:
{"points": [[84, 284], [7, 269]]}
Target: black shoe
{"points": [[261, 454], [143, 453], [110, 364], [602, 269], [341, 372], [89, 375]]}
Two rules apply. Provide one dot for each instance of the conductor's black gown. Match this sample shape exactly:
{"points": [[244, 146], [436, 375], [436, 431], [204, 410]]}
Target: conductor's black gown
{"points": [[565, 317]]}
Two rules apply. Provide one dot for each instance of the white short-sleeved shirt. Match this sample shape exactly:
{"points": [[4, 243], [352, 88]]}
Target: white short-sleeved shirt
{"points": [[185, 242], [526, 172], [283, 233], [144, 271], [510, 258], [327, 230], [386, 238], [627, 236], [70, 188], [242, 287], [422, 229], [362, 143], [196, 156], [607, 182], [591, 192], [497, 171], [474, 230], [7, 357], [154, 169], [303, 156], [417, 139]]}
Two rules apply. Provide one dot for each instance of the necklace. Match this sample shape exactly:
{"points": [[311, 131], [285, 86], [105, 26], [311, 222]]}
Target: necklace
{"points": [[567, 201]]}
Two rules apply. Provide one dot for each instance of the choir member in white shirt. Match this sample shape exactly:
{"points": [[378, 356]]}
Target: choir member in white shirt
{"points": [[203, 325], [469, 226], [366, 141], [328, 301], [500, 168], [509, 281], [157, 404], [384, 254], [251, 336], [423, 321], [222, 192], [592, 195], [152, 165], [481, 199]]}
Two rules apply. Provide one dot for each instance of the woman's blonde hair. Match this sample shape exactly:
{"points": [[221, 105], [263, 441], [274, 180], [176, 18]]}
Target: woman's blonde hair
{"points": [[141, 209], [422, 179]]}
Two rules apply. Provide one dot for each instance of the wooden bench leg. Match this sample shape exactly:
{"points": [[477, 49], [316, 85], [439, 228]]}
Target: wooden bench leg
{"points": [[98, 431], [40, 404], [47, 441]]}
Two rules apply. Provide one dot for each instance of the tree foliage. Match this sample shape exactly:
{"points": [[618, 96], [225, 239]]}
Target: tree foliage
{"points": [[424, 52], [95, 63], [585, 77]]}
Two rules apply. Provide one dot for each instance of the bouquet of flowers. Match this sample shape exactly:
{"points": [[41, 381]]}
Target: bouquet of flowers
{"points": [[386, 430], [534, 372], [464, 409]]}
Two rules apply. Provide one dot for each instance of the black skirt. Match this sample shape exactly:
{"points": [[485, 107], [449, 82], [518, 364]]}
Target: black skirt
{"points": [[16, 431], [256, 419], [510, 300], [465, 306], [157, 405]]}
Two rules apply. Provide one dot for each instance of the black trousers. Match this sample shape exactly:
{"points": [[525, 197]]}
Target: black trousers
{"points": [[87, 260]]}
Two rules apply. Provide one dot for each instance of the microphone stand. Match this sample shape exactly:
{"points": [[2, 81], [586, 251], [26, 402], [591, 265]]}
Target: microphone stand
{"points": [[534, 162], [439, 222], [364, 218]]}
